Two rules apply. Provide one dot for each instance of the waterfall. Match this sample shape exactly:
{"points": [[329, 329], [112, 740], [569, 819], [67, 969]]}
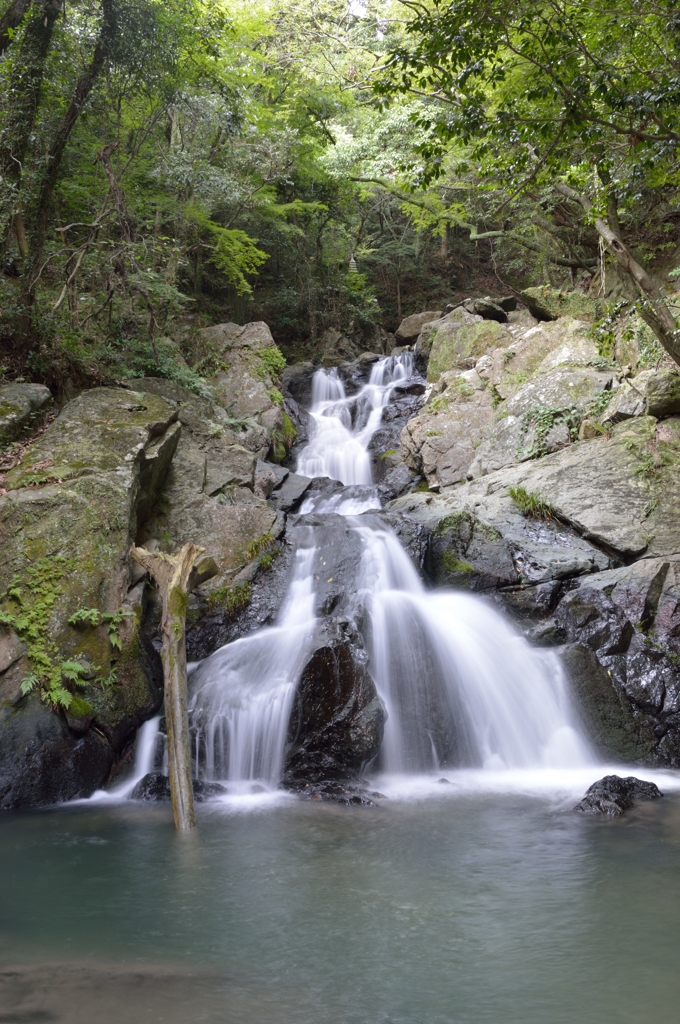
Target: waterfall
{"points": [[460, 686], [241, 695], [341, 428]]}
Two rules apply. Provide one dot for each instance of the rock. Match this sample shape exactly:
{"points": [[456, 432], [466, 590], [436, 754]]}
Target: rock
{"points": [[333, 347], [448, 324], [547, 303], [208, 492], [576, 350], [489, 309], [541, 417], [623, 628], [459, 345], [626, 403], [268, 475], [652, 392], [156, 787], [290, 492], [440, 443], [18, 405], [67, 522], [396, 481], [484, 545], [337, 719], [613, 795], [411, 326]]}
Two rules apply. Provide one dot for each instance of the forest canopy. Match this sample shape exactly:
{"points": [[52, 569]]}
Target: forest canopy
{"points": [[322, 164]]}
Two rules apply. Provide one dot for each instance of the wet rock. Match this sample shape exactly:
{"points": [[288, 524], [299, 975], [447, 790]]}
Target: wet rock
{"points": [[623, 656], [547, 303], [155, 787], [337, 719], [19, 403], [396, 481], [487, 544], [613, 795], [290, 492], [411, 326], [347, 794]]}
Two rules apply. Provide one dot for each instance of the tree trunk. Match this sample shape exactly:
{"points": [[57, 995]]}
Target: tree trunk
{"points": [[655, 311], [82, 90], [173, 577], [10, 21], [24, 89]]}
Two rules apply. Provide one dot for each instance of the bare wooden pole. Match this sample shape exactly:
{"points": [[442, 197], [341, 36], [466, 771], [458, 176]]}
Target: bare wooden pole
{"points": [[174, 576]]}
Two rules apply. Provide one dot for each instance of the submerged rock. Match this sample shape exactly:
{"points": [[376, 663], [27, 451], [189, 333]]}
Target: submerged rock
{"points": [[337, 720], [613, 795], [156, 787]]}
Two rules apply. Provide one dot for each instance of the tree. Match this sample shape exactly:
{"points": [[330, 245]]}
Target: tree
{"points": [[578, 95]]}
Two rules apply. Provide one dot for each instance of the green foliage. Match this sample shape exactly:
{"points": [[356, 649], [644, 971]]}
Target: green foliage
{"points": [[231, 598], [93, 617], [272, 360], [531, 504], [543, 419]]}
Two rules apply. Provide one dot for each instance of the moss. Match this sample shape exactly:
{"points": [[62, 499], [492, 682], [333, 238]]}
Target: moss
{"points": [[386, 455], [422, 486], [453, 564], [452, 523], [288, 431]]}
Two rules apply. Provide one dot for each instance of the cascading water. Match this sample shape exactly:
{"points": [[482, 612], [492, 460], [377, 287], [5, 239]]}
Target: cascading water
{"points": [[461, 688]]}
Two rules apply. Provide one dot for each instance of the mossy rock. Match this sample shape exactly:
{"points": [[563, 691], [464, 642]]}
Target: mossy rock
{"points": [[547, 303], [456, 344]]}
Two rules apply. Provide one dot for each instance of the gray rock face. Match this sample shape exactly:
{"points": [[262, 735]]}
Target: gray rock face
{"points": [[337, 720], [18, 404], [613, 795], [490, 544], [547, 303], [623, 628]]}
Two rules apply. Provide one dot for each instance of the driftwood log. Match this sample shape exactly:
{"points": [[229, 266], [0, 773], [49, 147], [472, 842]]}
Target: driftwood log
{"points": [[175, 576]]}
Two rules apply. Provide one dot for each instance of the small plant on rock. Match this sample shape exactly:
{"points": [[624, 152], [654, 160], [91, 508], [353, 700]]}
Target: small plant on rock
{"points": [[530, 504]]}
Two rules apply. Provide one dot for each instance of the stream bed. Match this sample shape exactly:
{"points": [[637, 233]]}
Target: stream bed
{"points": [[482, 901]]}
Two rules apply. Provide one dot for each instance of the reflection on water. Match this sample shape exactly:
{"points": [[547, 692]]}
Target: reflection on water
{"points": [[465, 905]]}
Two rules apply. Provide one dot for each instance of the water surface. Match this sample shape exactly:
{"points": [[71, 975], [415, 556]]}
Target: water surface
{"points": [[465, 903]]}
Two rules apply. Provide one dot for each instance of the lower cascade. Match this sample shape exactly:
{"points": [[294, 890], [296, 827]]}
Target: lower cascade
{"points": [[458, 686]]}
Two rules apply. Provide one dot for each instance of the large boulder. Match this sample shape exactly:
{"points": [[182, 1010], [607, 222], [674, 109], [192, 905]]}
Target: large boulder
{"points": [[542, 416], [72, 508], [441, 442], [458, 345], [546, 303], [337, 719], [19, 404], [247, 383], [485, 544], [623, 655], [613, 795], [652, 392], [411, 326], [208, 492]]}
